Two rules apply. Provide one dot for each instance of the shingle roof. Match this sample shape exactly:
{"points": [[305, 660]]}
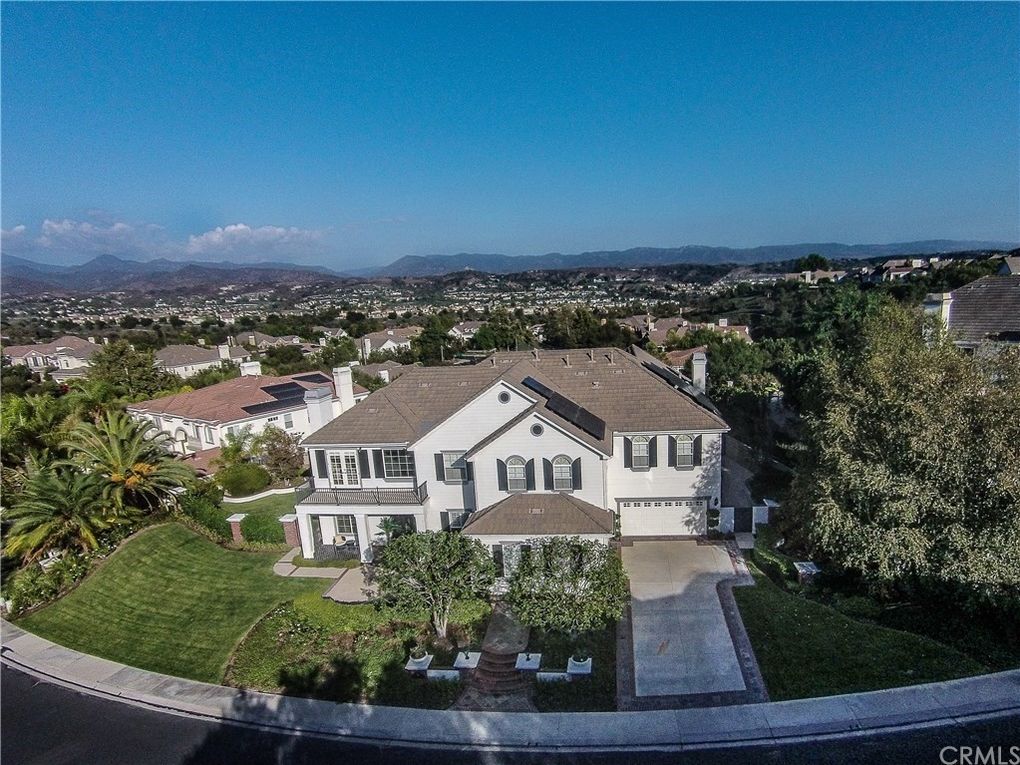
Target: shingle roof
{"points": [[181, 355], [540, 514], [611, 384], [987, 309], [70, 344], [397, 335]]}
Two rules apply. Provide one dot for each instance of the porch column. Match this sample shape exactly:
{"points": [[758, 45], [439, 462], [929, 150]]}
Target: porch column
{"points": [[291, 535], [304, 523], [235, 526], [364, 539]]}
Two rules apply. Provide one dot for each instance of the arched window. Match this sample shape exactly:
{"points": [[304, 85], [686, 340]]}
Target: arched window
{"points": [[639, 454], [563, 473], [516, 474], [684, 451]]}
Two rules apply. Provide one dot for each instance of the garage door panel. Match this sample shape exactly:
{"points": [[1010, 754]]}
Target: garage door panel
{"points": [[667, 516]]}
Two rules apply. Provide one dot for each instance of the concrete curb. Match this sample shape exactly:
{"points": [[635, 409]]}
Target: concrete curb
{"points": [[769, 724]]}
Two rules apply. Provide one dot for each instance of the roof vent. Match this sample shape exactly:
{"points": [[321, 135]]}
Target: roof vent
{"points": [[535, 354], [595, 383], [373, 410], [536, 511], [591, 356], [566, 359], [424, 385]]}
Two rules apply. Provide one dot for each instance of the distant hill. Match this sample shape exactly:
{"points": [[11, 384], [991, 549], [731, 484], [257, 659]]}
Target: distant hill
{"points": [[108, 272], [437, 265]]}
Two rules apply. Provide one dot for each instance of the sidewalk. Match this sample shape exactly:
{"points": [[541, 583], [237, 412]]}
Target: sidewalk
{"points": [[284, 567], [939, 704]]}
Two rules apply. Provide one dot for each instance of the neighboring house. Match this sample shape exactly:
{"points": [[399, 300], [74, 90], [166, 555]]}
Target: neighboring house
{"points": [[466, 330], [985, 311], [1010, 266], [66, 357], [395, 339], [677, 360], [521, 445], [200, 420], [326, 334], [813, 277], [658, 331], [187, 360], [387, 371], [262, 341]]}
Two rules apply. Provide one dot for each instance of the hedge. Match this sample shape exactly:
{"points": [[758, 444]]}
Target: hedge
{"points": [[776, 566], [262, 528], [243, 479], [203, 511]]}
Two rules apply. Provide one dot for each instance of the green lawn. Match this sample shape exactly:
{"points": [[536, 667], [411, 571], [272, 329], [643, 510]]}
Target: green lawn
{"points": [[805, 648], [169, 601], [273, 506], [596, 693]]}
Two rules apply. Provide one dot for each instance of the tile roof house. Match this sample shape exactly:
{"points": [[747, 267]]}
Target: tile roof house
{"points": [[387, 340], [187, 360], [262, 341], [387, 371], [66, 357], [201, 419], [465, 330], [522, 444], [985, 311]]}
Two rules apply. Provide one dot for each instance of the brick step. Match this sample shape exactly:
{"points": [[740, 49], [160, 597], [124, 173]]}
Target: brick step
{"points": [[503, 685]]}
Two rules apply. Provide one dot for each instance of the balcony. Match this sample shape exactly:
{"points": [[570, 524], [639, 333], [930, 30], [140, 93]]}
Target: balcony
{"points": [[412, 496]]}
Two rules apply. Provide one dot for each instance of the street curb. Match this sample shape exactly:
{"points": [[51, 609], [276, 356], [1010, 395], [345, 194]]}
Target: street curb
{"points": [[935, 705]]}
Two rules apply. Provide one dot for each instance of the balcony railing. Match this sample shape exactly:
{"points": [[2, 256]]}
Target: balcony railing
{"points": [[412, 496]]}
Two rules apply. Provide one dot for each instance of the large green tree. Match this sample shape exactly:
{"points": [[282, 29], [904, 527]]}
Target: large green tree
{"points": [[131, 373], [429, 571], [913, 480]]}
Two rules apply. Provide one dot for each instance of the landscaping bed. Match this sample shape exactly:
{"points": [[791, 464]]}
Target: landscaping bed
{"points": [[805, 648], [171, 601], [595, 693], [351, 652]]}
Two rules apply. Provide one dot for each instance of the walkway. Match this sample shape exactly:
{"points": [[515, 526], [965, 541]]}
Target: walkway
{"points": [[496, 685], [284, 567]]}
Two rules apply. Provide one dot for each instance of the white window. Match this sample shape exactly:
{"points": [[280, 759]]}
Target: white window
{"points": [[208, 435], [454, 467], [344, 469], [458, 518], [288, 421], [516, 474], [232, 430], [397, 463], [273, 420], [684, 451], [563, 473], [156, 422], [639, 452]]}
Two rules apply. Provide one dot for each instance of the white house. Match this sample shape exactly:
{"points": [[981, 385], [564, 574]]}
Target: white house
{"points": [[465, 330], [187, 360], [395, 339], [200, 420], [66, 357], [521, 445]]}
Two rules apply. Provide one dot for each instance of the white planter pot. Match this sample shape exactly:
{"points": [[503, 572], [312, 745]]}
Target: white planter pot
{"points": [[418, 665], [579, 667]]}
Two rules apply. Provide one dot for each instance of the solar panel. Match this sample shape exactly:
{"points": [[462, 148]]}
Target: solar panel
{"points": [[271, 406], [682, 385], [539, 388], [284, 390], [567, 409], [314, 377]]}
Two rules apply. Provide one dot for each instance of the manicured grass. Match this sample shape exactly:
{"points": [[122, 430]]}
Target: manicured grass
{"points": [[297, 560], [596, 693], [805, 648], [169, 601], [350, 652], [274, 506]]}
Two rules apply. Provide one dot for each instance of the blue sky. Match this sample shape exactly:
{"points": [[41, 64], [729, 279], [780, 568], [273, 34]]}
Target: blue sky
{"points": [[355, 134]]}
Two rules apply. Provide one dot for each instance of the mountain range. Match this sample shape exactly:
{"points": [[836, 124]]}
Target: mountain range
{"points": [[108, 272]]}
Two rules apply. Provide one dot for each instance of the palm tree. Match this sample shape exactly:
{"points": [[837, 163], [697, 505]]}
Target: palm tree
{"points": [[57, 509], [89, 399], [30, 425], [133, 461]]}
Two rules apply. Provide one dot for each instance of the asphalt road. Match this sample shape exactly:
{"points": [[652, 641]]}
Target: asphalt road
{"points": [[44, 723]]}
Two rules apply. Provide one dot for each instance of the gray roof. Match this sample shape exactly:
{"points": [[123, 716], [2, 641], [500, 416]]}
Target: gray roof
{"points": [[540, 514], [610, 383], [987, 309], [181, 355]]}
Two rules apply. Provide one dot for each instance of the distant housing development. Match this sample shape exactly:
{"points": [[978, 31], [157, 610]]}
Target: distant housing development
{"points": [[66, 357]]}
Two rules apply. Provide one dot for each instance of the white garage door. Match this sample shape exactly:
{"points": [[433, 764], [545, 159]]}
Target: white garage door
{"points": [[668, 516]]}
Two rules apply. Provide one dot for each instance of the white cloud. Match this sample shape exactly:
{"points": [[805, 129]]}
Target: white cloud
{"points": [[242, 240]]}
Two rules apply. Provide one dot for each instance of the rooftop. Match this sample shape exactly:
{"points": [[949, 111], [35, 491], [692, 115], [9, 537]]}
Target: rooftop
{"points": [[987, 309], [539, 514]]}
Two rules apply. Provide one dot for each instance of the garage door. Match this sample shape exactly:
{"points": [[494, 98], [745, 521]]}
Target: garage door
{"points": [[667, 516]]}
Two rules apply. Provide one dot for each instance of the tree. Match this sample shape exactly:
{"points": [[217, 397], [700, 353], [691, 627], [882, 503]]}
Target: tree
{"points": [[431, 346], [279, 453], [338, 352], [568, 584], [812, 262], [430, 570], [57, 509], [130, 372], [504, 331], [136, 470], [88, 398], [914, 478]]}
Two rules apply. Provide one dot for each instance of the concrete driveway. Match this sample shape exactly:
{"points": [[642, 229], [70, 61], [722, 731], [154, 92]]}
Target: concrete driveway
{"points": [[682, 645]]}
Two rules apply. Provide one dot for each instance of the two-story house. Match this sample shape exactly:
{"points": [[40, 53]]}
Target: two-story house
{"points": [[518, 446]]}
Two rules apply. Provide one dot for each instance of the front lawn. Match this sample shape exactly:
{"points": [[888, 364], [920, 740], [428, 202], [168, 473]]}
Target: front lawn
{"points": [[273, 506], [596, 693], [169, 601], [805, 648], [351, 652]]}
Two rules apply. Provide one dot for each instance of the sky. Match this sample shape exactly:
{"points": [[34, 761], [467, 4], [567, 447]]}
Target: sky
{"points": [[352, 135]]}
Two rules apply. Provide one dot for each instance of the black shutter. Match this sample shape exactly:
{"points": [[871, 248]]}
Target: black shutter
{"points": [[575, 470], [469, 471], [363, 463], [697, 450], [320, 464], [652, 461], [444, 519], [377, 459], [671, 451], [440, 468], [627, 453], [501, 475], [497, 558], [547, 472], [529, 474]]}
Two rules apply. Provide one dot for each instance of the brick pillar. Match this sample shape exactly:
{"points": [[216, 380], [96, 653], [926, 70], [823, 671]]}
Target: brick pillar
{"points": [[235, 526], [290, 529]]}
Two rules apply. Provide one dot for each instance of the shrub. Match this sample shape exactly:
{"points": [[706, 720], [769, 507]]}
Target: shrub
{"points": [[776, 566], [32, 587], [858, 607], [262, 528], [202, 510], [243, 479]]}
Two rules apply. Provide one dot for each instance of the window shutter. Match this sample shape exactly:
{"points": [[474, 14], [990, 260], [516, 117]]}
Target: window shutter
{"points": [[440, 468], [377, 459], [497, 558], [363, 463], [529, 474], [697, 450], [501, 474], [575, 469], [547, 472], [470, 471], [671, 451], [444, 520], [652, 461], [320, 463], [627, 453]]}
